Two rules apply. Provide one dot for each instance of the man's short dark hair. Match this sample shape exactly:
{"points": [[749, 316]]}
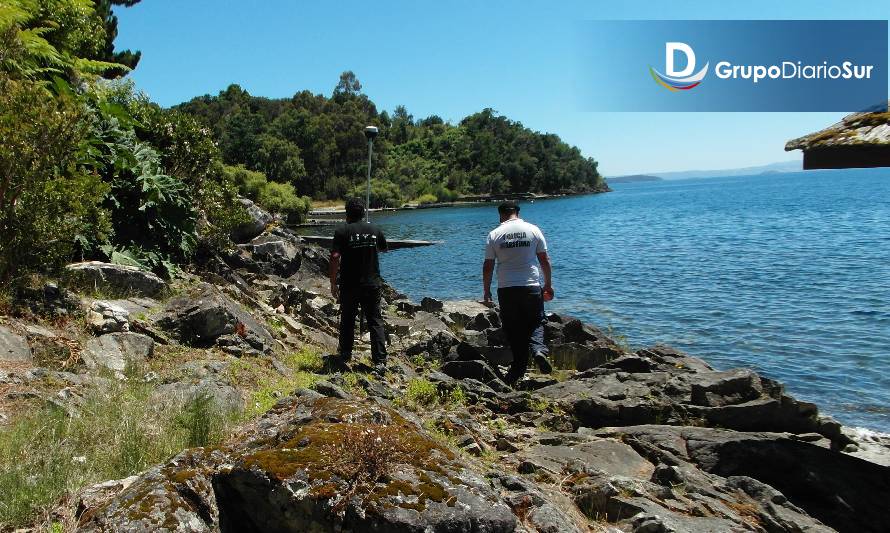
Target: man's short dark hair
{"points": [[355, 208], [508, 207]]}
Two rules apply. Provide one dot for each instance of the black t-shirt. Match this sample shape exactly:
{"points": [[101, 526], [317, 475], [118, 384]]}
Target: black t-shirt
{"points": [[357, 243]]}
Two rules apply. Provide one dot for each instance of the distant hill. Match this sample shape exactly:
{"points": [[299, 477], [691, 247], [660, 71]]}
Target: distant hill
{"points": [[772, 168], [634, 178]]}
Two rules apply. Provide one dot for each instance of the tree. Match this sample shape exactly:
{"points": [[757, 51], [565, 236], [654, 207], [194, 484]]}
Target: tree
{"points": [[280, 160], [348, 85], [239, 141], [126, 58]]}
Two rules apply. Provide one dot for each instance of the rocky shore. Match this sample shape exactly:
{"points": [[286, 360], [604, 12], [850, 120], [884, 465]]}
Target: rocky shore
{"points": [[644, 441]]}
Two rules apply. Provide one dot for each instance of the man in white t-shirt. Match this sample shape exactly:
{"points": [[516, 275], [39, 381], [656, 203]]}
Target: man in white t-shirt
{"points": [[520, 252]]}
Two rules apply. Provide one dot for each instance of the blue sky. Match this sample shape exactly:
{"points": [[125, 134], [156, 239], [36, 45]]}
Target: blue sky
{"points": [[452, 58]]}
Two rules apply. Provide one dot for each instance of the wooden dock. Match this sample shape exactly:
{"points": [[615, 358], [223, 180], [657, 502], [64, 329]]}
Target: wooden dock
{"points": [[395, 244]]}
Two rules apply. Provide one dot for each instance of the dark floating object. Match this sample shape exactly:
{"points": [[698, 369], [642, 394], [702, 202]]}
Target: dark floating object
{"points": [[393, 244]]}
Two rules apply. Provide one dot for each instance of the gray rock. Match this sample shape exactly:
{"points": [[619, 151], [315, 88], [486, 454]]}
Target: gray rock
{"points": [[91, 497], [738, 399], [715, 389], [258, 220], [663, 358], [478, 370], [329, 389], [275, 254], [842, 492], [116, 278], [175, 497], [13, 347], [606, 455], [115, 351], [210, 317], [224, 396], [434, 348], [431, 305], [106, 317]]}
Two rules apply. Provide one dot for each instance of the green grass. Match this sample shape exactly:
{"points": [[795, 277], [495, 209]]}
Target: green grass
{"points": [[422, 393], [268, 394], [352, 384], [308, 359], [119, 432], [265, 385]]}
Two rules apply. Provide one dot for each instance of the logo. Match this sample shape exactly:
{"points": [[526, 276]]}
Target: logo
{"points": [[678, 80]]}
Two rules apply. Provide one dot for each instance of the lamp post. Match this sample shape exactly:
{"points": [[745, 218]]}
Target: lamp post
{"points": [[370, 133]]}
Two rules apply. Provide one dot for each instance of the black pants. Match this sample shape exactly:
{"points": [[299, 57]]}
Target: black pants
{"points": [[369, 298], [522, 317]]}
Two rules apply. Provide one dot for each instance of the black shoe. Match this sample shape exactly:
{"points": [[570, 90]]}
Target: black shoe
{"points": [[511, 379], [380, 369], [336, 363], [540, 359]]}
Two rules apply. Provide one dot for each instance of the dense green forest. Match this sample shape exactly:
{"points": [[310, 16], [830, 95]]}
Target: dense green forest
{"points": [[315, 143]]}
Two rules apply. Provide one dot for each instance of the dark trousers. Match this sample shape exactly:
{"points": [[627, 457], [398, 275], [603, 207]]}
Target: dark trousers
{"points": [[522, 317], [369, 299]]}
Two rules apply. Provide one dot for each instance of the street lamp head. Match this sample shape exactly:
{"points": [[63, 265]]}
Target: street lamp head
{"points": [[371, 132]]}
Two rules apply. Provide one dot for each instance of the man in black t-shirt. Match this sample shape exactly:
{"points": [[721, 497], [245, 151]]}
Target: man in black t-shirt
{"points": [[354, 256]]}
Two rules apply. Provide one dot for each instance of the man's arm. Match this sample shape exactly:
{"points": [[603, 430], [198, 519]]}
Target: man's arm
{"points": [[338, 244], [332, 273], [487, 271], [546, 268], [382, 245]]}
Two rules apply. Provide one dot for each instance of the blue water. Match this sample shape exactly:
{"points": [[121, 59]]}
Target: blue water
{"points": [[788, 274]]}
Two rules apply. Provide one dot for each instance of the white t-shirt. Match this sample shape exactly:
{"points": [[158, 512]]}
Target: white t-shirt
{"points": [[515, 245]]}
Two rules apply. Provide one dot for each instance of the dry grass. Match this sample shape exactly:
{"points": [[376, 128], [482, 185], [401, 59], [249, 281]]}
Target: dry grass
{"points": [[364, 456]]}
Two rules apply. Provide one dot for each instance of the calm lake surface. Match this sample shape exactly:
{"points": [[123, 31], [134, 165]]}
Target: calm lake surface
{"points": [[788, 274]]}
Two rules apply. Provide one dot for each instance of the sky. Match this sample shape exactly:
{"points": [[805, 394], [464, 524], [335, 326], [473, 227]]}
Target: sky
{"points": [[453, 58]]}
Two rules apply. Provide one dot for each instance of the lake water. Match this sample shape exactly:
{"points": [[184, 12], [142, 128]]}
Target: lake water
{"points": [[788, 274]]}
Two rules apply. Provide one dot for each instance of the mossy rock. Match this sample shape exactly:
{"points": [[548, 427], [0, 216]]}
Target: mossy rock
{"points": [[312, 464]]}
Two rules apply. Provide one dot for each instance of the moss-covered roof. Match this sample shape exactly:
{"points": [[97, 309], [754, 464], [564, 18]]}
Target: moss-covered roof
{"points": [[858, 129]]}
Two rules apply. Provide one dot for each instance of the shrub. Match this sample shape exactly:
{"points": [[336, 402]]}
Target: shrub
{"points": [[222, 212], [421, 392], [456, 397], [427, 199], [276, 197], [282, 199], [48, 202], [249, 182], [153, 213], [363, 455]]}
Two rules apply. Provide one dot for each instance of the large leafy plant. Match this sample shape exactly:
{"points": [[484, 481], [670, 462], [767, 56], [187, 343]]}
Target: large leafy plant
{"points": [[152, 212]]}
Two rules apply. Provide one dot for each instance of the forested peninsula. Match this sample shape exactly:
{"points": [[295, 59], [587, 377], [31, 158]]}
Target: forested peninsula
{"points": [[315, 143]]}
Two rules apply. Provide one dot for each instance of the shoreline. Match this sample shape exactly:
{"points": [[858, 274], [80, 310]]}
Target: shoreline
{"points": [[318, 216]]}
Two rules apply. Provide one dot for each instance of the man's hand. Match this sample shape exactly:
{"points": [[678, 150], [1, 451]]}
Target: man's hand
{"points": [[487, 272], [332, 274], [548, 293]]}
